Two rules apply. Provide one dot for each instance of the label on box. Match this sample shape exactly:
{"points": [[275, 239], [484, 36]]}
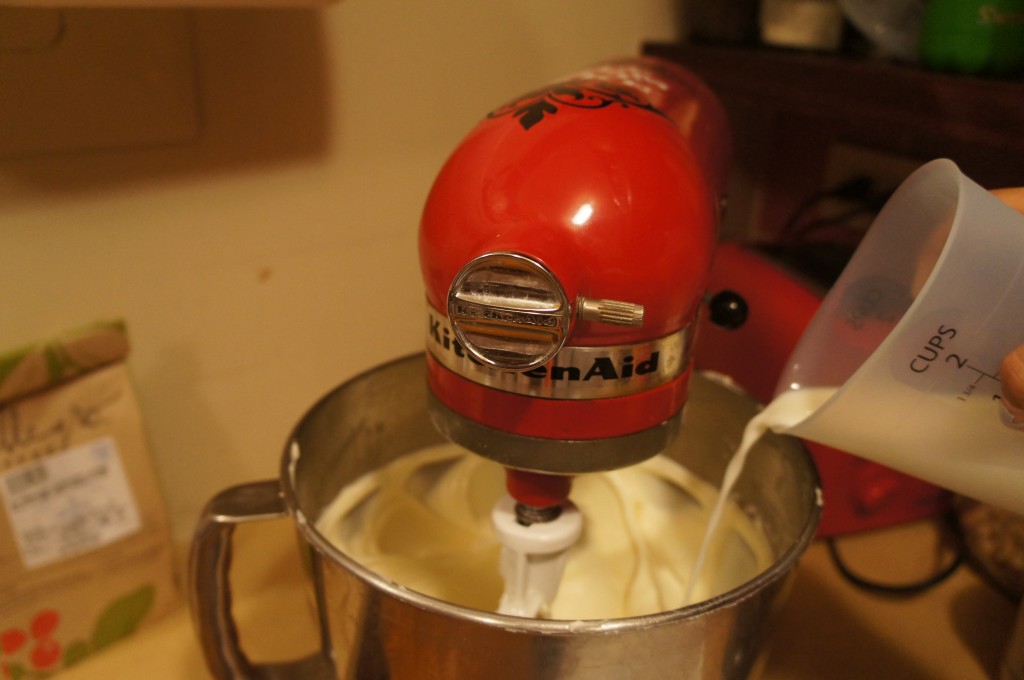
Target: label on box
{"points": [[69, 503]]}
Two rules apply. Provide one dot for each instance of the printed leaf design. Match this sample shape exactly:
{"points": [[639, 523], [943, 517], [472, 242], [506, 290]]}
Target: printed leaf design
{"points": [[8, 363], [75, 652], [535, 107], [14, 671], [122, 617], [61, 358], [532, 113], [117, 621]]}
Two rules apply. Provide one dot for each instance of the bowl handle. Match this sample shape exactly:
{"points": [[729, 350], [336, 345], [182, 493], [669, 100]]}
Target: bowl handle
{"points": [[210, 590]]}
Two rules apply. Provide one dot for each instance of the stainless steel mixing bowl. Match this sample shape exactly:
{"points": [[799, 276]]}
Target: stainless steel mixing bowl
{"points": [[372, 628]]}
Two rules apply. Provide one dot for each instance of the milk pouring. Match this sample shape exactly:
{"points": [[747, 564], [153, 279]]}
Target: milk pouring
{"points": [[900, 364], [913, 349], [785, 411]]}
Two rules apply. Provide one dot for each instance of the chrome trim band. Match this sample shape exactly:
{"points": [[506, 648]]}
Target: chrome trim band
{"points": [[575, 372]]}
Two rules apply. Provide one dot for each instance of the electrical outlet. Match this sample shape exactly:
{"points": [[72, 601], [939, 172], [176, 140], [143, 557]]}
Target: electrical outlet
{"points": [[86, 79]]}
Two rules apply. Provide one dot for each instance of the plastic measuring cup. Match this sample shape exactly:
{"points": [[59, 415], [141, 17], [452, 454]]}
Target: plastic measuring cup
{"points": [[911, 337]]}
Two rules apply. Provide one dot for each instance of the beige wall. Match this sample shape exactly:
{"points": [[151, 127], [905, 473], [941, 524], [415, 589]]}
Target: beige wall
{"points": [[274, 254]]}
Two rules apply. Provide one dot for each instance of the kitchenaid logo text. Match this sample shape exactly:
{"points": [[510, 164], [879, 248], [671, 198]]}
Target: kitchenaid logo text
{"points": [[575, 373], [601, 367], [478, 312]]}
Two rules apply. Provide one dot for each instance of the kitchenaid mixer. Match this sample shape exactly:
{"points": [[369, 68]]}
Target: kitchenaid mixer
{"points": [[566, 246]]}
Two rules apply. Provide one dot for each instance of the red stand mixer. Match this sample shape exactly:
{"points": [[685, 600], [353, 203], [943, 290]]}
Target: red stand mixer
{"points": [[566, 247]]}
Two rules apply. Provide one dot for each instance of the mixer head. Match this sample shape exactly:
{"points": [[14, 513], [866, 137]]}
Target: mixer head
{"points": [[565, 246]]}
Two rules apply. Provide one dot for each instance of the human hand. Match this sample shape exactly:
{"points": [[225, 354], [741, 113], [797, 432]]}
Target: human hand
{"points": [[1011, 374], [1012, 197], [1011, 371]]}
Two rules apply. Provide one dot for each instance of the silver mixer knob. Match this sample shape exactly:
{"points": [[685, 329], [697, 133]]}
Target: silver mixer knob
{"points": [[509, 311], [612, 312]]}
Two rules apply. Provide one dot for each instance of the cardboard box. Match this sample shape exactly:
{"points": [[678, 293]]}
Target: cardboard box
{"points": [[86, 554]]}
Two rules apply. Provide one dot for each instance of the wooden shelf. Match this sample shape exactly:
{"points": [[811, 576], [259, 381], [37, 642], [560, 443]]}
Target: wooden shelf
{"points": [[898, 108], [797, 117]]}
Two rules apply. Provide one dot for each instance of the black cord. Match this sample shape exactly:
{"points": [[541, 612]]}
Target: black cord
{"points": [[799, 232], [900, 589], [858, 190]]}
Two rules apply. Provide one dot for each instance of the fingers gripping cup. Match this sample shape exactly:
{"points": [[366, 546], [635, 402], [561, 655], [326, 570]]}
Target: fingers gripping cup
{"points": [[900, 364]]}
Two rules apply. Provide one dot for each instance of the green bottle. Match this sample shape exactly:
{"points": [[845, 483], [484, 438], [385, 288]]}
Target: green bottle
{"points": [[984, 37]]}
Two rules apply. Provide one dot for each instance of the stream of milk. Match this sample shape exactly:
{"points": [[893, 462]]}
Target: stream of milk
{"points": [[785, 411]]}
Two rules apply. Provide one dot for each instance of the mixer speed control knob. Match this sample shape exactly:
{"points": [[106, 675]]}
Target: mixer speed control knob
{"points": [[612, 312]]}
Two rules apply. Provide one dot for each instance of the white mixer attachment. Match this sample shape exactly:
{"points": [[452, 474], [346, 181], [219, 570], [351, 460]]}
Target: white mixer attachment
{"points": [[533, 555]]}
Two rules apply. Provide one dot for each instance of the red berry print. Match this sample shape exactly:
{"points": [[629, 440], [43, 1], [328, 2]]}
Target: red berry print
{"points": [[44, 623], [46, 653], [12, 639], [46, 650]]}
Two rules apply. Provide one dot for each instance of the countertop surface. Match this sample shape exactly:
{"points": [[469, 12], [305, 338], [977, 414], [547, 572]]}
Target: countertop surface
{"points": [[829, 628]]}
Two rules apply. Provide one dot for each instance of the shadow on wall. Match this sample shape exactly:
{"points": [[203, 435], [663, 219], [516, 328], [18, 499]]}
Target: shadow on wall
{"points": [[97, 97]]}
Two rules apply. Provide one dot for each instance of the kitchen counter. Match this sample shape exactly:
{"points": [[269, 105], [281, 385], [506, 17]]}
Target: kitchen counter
{"points": [[828, 629]]}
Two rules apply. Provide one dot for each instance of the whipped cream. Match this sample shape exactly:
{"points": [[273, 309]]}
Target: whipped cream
{"points": [[423, 521]]}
